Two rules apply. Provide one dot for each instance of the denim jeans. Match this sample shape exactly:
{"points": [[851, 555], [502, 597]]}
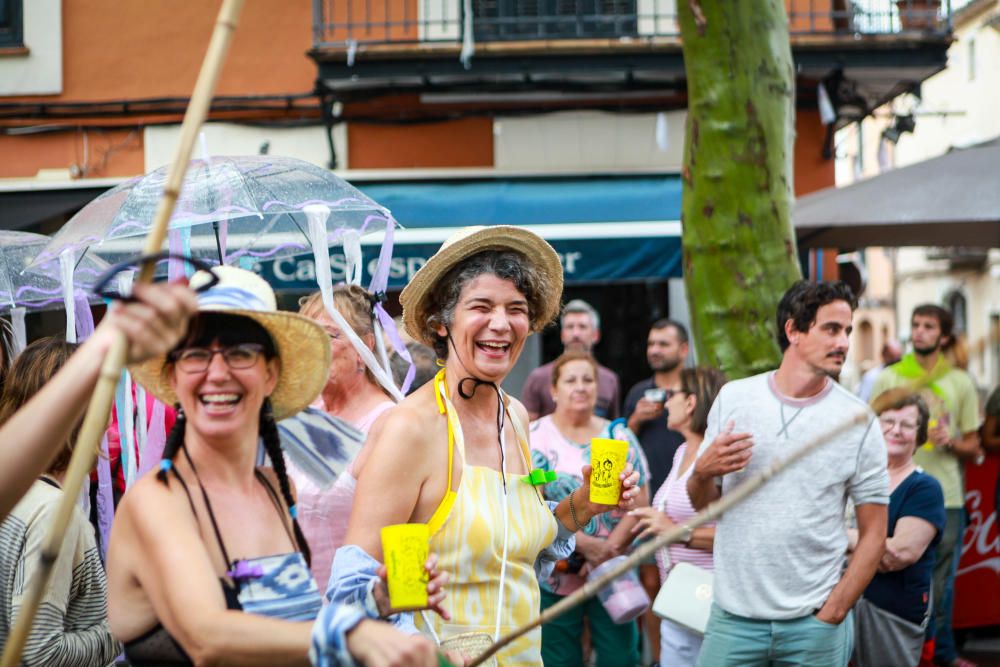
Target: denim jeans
{"points": [[736, 641], [949, 551]]}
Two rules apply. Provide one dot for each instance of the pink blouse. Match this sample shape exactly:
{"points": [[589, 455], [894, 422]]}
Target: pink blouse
{"points": [[672, 498]]}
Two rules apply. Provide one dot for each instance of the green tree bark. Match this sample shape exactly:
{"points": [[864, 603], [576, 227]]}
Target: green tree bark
{"points": [[738, 241]]}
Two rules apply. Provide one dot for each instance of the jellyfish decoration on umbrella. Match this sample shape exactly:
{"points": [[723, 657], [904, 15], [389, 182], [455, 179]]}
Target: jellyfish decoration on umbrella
{"points": [[64, 281], [241, 210]]}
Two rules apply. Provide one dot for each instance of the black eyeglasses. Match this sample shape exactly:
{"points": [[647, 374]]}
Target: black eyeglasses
{"points": [[198, 359], [102, 286]]}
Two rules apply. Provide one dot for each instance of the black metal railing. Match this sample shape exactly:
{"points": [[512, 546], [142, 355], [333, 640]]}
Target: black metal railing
{"points": [[345, 23]]}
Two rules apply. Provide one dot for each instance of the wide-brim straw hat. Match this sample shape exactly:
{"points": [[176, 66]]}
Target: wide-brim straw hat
{"points": [[302, 345], [466, 242]]}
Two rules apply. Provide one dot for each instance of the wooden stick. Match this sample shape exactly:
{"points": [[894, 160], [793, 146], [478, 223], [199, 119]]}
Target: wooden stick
{"points": [[709, 514], [96, 420]]}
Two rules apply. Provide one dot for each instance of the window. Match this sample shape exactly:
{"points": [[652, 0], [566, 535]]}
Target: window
{"points": [[955, 302], [553, 19], [11, 23]]}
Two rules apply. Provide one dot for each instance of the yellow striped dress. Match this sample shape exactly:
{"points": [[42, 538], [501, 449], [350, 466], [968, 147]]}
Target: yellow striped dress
{"points": [[467, 533]]}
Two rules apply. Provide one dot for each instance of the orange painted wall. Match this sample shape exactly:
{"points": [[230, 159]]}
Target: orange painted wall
{"points": [[108, 153], [812, 172], [153, 48], [460, 143]]}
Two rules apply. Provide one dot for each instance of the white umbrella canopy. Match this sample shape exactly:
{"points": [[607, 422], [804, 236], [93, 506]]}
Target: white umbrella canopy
{"points": [[951, 200]]}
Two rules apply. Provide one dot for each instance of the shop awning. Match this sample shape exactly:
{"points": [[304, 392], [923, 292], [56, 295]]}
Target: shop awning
{"points": [[950, 200], [606, 228]]}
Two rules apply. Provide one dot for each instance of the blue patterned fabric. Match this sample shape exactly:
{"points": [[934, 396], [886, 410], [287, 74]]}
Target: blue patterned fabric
{"points": [[228, 296], [284, 590], [319, 445]]}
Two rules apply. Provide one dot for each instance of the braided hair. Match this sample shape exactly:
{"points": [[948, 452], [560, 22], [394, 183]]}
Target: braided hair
{"points": [[272, 445], [226, 330]]}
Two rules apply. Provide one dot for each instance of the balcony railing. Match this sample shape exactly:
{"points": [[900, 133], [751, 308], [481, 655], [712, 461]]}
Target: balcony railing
{"points": [[349, 23]]}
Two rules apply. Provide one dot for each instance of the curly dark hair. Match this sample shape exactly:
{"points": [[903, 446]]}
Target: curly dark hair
{"points": [[504, 264], [803, 299]]}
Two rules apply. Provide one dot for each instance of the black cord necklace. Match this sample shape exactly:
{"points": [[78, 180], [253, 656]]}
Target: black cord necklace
{"points": [[467, 394]]}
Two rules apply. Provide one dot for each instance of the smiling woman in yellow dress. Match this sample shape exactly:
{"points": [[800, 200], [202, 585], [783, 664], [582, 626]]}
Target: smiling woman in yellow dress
{"points": [[453, 453]]}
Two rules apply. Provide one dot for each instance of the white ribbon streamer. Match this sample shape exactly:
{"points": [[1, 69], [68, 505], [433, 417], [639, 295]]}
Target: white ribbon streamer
{"points": [[19, 340], [351, 241], [66, 265], [468, 36], [317, 215]]}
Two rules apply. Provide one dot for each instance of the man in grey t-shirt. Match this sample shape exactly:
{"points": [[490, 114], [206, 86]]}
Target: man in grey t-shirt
{"points": [[782, 595]]}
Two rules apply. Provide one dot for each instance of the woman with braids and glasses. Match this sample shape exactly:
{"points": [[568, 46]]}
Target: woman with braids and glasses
{"points": [[207, 564], [352, 394]]}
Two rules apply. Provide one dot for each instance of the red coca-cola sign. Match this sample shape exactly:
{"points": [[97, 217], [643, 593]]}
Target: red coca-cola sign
{"points": [[977, 588]]}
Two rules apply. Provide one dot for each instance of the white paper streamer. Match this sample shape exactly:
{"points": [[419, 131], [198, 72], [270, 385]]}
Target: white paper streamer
{"points": [[127, 432], [662, 136], [66, 265], [19, 340], [142, 432], [827, 114], [317, 215], [468, 36], [351, 240]]}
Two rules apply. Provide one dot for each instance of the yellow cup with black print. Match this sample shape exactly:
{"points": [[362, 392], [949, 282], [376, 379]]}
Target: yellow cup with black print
{"points": [[405, 547], [607, 461]]}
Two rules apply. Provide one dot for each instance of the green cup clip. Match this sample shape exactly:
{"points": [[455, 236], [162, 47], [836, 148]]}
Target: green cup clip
{"points": [[539, 477]]}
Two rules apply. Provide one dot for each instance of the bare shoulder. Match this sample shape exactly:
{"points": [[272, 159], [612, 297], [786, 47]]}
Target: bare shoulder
{"points": [[403, 429], [151, 508], [519, 411]]}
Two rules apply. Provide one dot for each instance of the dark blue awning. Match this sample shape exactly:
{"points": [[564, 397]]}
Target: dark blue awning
{"points": [[604, 228]]}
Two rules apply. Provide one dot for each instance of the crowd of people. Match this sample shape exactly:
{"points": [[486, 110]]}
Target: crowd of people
{"points": [[229, 553]]}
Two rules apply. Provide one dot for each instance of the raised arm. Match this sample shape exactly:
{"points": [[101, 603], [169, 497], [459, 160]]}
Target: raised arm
{"points": [[32, 436], [728, 453]]}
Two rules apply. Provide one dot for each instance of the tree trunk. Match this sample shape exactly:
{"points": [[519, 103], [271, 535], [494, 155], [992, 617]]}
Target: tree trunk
{"points": [[738, 241]]}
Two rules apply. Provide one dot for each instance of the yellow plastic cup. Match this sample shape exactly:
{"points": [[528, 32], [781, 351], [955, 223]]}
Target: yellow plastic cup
{"points": [[607, 458], [405, 547]]}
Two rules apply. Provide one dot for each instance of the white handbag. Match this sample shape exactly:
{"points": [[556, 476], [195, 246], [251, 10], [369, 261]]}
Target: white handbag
{"points": [[686, 597]]}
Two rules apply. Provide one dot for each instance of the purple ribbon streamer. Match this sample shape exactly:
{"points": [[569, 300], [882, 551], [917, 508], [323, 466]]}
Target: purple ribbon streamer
{"points": [[156, 436], [105, 497], [84, 317], [379, 283]]}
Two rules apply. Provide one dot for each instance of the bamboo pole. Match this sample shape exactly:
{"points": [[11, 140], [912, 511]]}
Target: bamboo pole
{"points": [[709, 514], [96, 419]]}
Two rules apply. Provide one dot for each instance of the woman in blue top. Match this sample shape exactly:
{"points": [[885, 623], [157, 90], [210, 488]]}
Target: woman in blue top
{"points": [[892, 615], [206, 562]]}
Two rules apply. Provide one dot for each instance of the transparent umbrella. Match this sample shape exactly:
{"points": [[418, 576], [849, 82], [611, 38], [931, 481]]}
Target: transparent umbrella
{"points": [[62, 282], [229, 207]]}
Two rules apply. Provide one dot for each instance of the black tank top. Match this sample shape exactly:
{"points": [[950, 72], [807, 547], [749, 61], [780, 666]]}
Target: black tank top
{"points": [[156, 647]]}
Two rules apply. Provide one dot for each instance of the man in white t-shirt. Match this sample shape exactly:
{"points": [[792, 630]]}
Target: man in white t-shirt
{"points": [[782, 593]]}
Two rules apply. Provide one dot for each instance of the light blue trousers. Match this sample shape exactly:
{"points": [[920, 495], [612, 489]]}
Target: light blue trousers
{"points": [[735, 641]]}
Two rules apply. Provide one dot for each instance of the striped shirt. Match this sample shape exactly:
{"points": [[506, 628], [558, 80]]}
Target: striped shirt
{"points": [[71, 627], [672, 498]]}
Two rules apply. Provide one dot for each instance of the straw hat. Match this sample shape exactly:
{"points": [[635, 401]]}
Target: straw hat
{"points": [[302, 345], [466, 242]]}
